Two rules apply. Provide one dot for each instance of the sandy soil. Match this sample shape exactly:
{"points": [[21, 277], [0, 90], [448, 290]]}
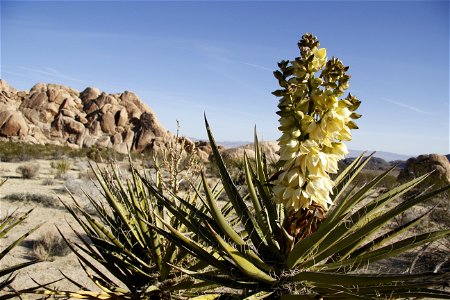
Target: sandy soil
{"points": [[50, 214], [43, 194]]}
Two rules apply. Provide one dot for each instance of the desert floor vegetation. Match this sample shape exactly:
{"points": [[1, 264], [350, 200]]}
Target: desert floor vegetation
{"points": [[75, 175], [20, 152], [32, 199], [19, 195], [46, 192], [48, 246], [61, 167], [28, 170]]}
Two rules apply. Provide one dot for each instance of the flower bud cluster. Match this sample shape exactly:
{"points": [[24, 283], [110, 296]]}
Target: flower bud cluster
{"points": [[314, 121]]}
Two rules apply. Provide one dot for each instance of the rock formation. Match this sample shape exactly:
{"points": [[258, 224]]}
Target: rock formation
{"points": [[56, 114], [237, 154], [423, 164]]}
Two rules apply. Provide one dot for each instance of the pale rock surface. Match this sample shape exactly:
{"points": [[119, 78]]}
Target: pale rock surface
{"points": [[56, 114], [12, 123], [4, 86], [60, 115], [269, 148], [89, 93], [423, 164]]}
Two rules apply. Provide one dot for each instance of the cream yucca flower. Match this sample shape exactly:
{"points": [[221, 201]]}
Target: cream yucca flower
{"points": [[314, 121]]}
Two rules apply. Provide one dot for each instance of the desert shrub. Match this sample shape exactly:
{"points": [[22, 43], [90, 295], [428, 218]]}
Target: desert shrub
{"points": [[28, 171], [94, 154], [13, 151], [18, 151], [86, 175], [103, 154], [61, 167], [44, 200], [73, 185], [50, 245], [48, 181], [81, 187], [441, 215]]}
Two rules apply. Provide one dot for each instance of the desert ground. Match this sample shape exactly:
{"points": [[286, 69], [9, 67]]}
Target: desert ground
{"points": [[44, 194], [51, 186]]}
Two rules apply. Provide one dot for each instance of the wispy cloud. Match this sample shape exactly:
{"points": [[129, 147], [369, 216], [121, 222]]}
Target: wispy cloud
{"points": [[235, 79], [255, 66], [407, 106], [234, 61], [53, 73], [189, 102]]}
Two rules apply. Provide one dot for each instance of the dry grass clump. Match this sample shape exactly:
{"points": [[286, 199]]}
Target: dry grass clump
{"points": [[48, 181], [29, 170], [50, 245], [61, 167]]}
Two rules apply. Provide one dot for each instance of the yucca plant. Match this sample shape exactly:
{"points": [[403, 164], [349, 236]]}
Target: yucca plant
{"points": [[298, 234], [7, 273], [122, 239]]}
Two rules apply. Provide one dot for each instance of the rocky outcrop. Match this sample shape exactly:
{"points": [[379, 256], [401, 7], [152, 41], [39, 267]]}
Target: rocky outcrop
{"points": [[423, 164], [12, 123], [270, 149], [56, 114]]}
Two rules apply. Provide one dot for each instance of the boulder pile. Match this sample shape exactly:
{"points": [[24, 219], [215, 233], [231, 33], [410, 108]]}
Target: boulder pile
{"points": [[424, 164], [57, 114]]}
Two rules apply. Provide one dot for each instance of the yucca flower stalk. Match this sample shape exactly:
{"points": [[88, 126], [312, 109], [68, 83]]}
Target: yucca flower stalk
{"points": [[297, 234], [314, 122]]}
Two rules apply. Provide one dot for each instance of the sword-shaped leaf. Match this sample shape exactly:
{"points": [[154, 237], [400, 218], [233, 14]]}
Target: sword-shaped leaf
{"points": [[233, 195], [386, 251], [245, 265]]}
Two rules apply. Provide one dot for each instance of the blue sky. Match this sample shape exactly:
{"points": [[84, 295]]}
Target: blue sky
{"points": [[186, 58]]}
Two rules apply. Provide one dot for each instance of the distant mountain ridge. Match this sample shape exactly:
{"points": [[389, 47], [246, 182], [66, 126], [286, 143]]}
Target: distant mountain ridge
{"points": [[387, 156]]}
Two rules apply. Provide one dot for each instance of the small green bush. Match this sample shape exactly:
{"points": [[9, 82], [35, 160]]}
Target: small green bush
{"points": [[61, 167], [14, 151], [102, 154]]}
